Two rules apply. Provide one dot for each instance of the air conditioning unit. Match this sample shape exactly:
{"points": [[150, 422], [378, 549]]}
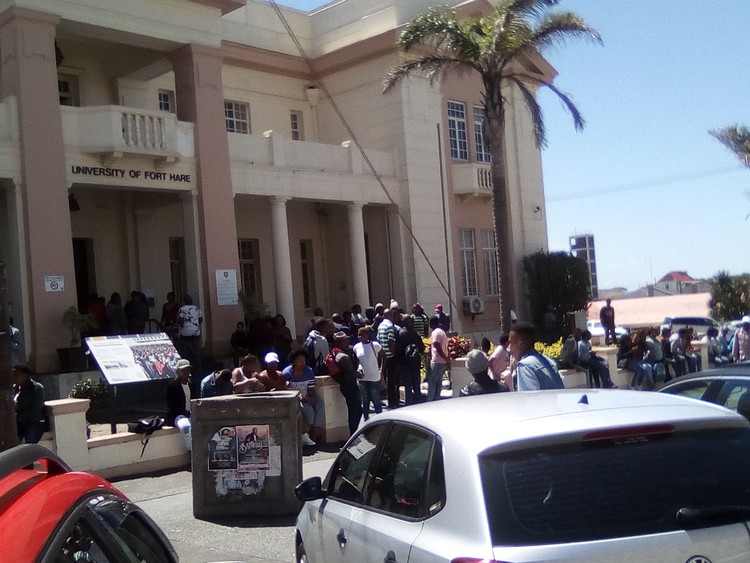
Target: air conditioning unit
{"points": [[473, 305]]}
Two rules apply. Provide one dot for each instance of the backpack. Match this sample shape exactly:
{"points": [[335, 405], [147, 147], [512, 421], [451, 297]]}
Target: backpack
{"points": [[315, 361], [411, 352], [146, 426], [331, 365]]}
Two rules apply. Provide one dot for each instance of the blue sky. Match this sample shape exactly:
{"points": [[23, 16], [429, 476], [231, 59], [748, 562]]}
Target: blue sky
{"points": [[645, 177]]}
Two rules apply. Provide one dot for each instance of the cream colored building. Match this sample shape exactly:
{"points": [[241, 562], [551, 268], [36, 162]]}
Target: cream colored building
{"points": [[194, 141]]}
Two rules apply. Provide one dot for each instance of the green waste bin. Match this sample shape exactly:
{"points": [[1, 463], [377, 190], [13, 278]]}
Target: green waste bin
{"points": [[246, 456]]}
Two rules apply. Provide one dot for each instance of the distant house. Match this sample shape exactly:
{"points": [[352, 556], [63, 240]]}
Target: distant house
{"points": [[676, 283]]}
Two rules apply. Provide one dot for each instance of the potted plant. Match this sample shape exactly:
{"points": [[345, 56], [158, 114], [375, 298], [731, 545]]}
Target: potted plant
{"points": [[73, 358], [98, 392]]}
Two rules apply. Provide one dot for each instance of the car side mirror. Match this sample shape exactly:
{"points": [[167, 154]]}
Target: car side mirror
{"points": [[310, 489]]}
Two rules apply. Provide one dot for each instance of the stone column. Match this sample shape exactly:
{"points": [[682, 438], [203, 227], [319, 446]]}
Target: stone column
{"points": [[68, 423], [28, 71], [358, 255], [282, 262], [200, 99]]}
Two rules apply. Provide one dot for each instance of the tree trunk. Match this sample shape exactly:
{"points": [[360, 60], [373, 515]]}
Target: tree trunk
{"points": [[8, 436], [494, 126]]}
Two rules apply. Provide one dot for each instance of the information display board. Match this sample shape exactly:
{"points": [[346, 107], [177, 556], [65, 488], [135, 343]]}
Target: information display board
{"points": [[134, 357]]}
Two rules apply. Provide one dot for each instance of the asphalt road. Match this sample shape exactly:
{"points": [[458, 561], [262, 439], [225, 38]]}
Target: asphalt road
{"points": [[168, 499]]}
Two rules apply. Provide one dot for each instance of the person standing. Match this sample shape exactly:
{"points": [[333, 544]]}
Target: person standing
{"points": [[439, 361], [369, 353], [117, 323], [534, 372], [420, 321], [347, 380], [28, 396], [498, 363], [190, 318], [409, 350], [169, 312], [445, 320], [741, 345], [136, 313], [387, 334], [316, 346], [607, 318]]}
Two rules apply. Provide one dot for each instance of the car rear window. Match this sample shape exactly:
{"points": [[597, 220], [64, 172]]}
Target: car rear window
{"points": [[611, 488]]}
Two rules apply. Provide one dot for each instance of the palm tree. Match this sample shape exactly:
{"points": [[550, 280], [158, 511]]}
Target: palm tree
{"points": [[737, 139], [495, 46]]}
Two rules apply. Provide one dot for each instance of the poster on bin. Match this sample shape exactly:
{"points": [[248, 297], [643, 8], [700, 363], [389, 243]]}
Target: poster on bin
{"points": [[254, 447], [134, 357]]}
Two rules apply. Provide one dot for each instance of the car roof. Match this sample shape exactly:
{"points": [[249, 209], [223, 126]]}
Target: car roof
{"points": [[738, 370], [486, 421]]}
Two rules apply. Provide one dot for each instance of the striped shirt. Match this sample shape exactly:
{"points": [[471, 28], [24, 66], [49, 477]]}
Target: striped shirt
{"points": [[387, 337]]}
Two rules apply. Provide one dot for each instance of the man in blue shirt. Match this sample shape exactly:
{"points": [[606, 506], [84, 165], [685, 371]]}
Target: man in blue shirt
{"points": [[217, 383], [534, 371]]}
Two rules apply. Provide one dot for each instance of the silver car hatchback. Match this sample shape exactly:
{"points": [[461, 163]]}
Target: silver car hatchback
{"points": [[595, 475]]}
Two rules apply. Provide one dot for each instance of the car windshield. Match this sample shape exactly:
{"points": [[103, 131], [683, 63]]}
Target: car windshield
{"points": [[614, 487]]}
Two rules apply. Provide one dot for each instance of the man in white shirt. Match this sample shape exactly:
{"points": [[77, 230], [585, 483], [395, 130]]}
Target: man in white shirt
{"points": [[189, 318]]}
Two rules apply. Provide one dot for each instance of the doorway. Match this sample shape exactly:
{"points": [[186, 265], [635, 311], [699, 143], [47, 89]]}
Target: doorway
{"points": [[85, 270]]}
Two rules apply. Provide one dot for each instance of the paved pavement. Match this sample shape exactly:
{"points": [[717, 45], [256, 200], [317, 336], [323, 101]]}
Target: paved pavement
{"points": [[168, 499]]}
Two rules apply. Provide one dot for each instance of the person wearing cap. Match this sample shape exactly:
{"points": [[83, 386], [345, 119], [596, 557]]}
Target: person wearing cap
{"points": [[741, 345], [177, 395], [419, 320], [347, 379], [217, 383], [271, 378], [477, 364], [534, 371], [445, 320]]}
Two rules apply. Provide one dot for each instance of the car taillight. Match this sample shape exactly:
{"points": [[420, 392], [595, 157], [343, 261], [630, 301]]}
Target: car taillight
{"points": [[629, 433], [475, 560]]}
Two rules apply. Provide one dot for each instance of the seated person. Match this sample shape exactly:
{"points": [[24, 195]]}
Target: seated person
{"points": [[177, 396], [300, 377], [596, 365], [216, 384], [271, 377], [476, 364], [245, 377]]}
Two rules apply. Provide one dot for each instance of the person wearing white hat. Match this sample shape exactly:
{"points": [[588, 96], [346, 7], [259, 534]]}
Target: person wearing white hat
{"points": [[271, 378], [741, 346], [177, 396]]}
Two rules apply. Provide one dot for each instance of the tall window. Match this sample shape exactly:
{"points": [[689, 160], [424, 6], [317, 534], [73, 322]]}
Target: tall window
{"points": [[489, 258], [166, 100], [466, 248], [457, 131], [249, 252], [308, 273], [177, 269], [67, 88], [483, 151], [237, 116], [296, 123]]}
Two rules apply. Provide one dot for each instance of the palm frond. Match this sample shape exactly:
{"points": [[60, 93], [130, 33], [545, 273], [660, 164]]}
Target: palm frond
{"points": [[537, 116], [430, 66], [530, 8], [578, 121], [737, 139], [557, 29]]}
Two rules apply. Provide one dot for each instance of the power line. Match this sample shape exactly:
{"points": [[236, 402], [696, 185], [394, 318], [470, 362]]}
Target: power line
{"points": [[665, 181]]}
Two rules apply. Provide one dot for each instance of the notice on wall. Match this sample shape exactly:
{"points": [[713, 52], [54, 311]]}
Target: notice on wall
{"points": [[226, 287], [134, 357], [54, 283]]}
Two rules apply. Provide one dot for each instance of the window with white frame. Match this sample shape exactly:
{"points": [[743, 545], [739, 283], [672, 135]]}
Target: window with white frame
{"points": [[67, 89], [308, 273], [249, 253], [296, 123], [237, 116], [489, 259], [166, 100], [457, 131], [480, 140], [467, 259]]}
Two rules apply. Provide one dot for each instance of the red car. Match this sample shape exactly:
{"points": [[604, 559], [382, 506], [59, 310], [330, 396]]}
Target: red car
{"points": [[58, 515]]}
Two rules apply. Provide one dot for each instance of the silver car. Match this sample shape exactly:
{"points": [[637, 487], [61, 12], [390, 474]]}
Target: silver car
{"points": [[594, 475]]}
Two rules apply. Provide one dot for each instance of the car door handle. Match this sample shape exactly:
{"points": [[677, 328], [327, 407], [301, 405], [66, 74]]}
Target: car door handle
{"points": [[390, 558], [341, 538]]}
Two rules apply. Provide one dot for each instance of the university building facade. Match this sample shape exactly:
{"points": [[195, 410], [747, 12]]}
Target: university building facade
{"points": [[157, 146]]}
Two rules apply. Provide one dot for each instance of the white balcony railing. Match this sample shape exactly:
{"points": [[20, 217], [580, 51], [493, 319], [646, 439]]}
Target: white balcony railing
{"points": [[117, 131], [472, 180]]}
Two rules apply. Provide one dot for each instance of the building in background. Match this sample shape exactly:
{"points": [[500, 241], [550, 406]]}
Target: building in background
{"points": [[187, 147], [582, 246]]}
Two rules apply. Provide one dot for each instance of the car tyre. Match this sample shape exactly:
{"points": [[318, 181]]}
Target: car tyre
{"points": [[301, 553]]}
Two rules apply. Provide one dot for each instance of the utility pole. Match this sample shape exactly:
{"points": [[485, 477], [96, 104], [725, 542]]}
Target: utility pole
{"points": [[8, 436]]}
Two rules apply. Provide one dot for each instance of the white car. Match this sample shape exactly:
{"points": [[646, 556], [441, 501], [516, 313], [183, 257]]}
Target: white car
{"points": [[596, 329], [594, 475]]}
